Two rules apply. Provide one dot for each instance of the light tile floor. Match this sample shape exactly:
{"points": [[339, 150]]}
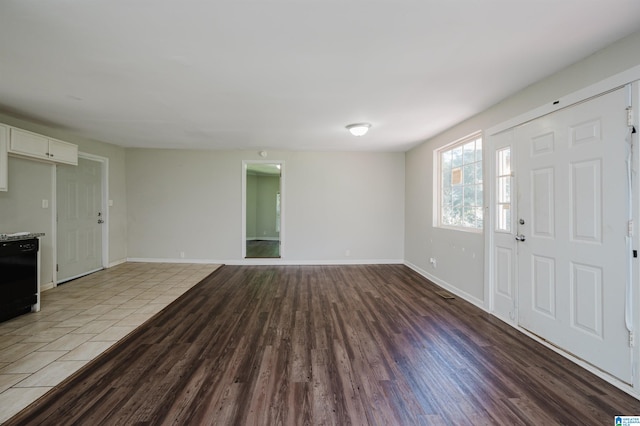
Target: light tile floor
{"points": [[81, 319]]}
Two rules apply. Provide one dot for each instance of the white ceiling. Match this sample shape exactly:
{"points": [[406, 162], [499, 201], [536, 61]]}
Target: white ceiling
{"points": [[285, 74]]}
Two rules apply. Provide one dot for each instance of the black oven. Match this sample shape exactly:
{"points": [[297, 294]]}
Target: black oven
{"points": [[18, 277]]}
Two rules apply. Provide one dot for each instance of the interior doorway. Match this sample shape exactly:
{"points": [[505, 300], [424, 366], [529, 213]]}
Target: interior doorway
{"points": [[262, 218]]}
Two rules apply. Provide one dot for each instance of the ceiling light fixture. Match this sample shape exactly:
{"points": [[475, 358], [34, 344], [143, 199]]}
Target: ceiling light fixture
{"points": [[358, 129]]}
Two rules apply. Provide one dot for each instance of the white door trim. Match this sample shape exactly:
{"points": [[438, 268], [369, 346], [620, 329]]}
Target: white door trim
{"points": [[613, 82]]}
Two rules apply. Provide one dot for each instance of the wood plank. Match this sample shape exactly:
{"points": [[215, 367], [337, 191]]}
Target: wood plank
{"points": [[354, 344]]}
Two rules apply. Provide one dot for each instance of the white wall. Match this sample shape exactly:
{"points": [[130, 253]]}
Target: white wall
{"points": [[460, 255], [21, 207], [191, 202], [268, 188], [30, 182], [261, 207]]}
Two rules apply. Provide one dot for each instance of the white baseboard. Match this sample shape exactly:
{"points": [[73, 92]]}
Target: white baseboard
{"points": [[270, 261], [170, 260], [286, 262], [452, 289], [117, 262], [47, 286]]}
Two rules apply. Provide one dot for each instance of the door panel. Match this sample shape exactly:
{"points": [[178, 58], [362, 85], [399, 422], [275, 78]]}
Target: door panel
{"points": [[571, 265], [542, 215], [79, 201]]}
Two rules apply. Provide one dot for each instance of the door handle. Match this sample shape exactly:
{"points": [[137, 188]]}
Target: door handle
{"points": [[100, 221], [520, 237]]}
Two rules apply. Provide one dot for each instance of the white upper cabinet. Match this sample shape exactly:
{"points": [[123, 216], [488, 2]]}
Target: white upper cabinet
{"points": [[4, 165], [63, 152], [28, 144]]}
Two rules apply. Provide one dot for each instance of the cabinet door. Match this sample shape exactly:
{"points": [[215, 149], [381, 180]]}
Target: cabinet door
{"points": [[4, 165], [27, 143], [63, 152]]}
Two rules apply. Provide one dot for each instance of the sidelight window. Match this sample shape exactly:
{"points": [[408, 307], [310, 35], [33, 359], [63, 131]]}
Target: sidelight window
{"points": [[503, 190]]}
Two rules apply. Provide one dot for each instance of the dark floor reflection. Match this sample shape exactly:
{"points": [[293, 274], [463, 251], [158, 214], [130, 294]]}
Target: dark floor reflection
{"points": [[262, 248]]}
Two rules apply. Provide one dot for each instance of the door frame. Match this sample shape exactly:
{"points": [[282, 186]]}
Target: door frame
{"points": [[104, 205], [283, 198], [629, 77]]}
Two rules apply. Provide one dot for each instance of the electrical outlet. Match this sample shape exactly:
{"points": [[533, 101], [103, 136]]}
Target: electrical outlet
{"points": [[181, 255], [433, 262]]}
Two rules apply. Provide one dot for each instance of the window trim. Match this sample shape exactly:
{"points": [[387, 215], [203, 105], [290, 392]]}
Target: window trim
{"points": [[438, 195]]}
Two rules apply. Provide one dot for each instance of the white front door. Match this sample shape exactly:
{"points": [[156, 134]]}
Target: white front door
{"points": [[80, 218], [572, 215]]}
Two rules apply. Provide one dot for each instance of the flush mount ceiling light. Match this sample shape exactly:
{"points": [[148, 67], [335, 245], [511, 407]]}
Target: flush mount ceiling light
{"points": [[358, 129]]}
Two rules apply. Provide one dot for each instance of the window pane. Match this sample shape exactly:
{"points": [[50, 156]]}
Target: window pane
{"points": [[479, 218], [447, 215], [446, 196], [478, 172], [469, 152], [469, 174], [469, 196], [446, 179], [456, 215], [504, 162], [504, 189], [503, 222], [456, 196], [446, 161], [479, 196], [479, 150], [470, 218], [456, 157]]}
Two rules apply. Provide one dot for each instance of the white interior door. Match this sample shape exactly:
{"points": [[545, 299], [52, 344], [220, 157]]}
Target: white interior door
{"points": [[572, 199], [80, 218]]}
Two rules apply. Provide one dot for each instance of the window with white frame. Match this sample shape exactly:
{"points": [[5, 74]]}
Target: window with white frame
{"points": [[503, 190], [460, 184]]}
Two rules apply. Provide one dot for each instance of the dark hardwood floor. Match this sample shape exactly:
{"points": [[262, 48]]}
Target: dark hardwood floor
{"points": [[298, 345]]}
